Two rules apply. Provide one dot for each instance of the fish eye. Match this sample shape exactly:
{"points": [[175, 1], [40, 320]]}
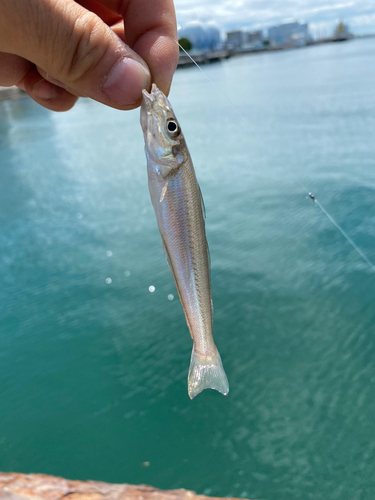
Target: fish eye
{"points": [[173, 128]]}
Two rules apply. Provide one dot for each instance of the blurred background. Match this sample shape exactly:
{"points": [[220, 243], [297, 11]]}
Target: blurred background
{"points": [[94, 349]]}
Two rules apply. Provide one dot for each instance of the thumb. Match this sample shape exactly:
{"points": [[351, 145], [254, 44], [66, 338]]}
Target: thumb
{"points": [[75, 49]]}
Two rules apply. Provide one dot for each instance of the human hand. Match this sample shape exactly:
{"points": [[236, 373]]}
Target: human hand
{"points": [[108, 50]]}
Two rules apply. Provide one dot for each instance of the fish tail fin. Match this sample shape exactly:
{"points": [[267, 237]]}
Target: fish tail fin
{"points": [[206, 372]]}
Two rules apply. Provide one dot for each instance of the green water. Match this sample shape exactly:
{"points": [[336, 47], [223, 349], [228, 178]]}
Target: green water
{"points": [[93, 375]]}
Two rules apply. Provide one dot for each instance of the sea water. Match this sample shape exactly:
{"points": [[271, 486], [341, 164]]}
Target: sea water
{"points": [[94, 348]]}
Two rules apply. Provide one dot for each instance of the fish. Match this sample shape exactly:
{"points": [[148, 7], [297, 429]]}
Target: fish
{"points": [[177, 201]]}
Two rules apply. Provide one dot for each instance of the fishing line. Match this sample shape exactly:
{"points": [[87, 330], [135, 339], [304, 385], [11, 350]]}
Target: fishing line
{"points": [[325, 212], [337, 225], [348, 238], [213, 83]]}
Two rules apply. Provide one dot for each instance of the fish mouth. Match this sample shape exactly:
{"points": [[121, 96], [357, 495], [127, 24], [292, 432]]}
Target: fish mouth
{"points": [[151, 97], [149, 100], [147, 97], [153, 104], [147, 107]]}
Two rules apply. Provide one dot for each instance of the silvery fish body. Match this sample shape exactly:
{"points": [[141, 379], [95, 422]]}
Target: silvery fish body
{"points": [[178, 205]]}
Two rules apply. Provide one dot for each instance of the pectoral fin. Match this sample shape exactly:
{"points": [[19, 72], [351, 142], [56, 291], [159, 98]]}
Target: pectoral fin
{"points": [[163, 192]]}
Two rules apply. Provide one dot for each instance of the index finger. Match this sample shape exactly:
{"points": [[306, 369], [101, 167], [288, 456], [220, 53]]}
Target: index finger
{"points": [[151, 31]]}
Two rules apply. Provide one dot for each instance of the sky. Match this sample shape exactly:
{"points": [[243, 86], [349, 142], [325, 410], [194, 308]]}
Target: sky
{"points": [[321, 15]]}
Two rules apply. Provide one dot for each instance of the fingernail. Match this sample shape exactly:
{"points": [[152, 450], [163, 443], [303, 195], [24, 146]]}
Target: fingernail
{"points": [[44, 90], [125, 81]]}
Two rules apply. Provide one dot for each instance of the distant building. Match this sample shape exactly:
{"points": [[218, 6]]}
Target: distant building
{"points": [[289, 35], [202, 36], [235, 39], [253, 37]]}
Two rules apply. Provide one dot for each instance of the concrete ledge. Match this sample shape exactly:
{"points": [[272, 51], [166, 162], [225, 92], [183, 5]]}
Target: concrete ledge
{"points": [[11, 93], [15, 486]]}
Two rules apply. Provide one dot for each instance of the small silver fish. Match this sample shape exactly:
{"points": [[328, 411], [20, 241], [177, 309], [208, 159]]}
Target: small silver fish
{"points": [[178, 205]]}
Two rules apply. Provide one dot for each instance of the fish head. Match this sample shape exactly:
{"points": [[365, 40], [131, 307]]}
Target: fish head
{"points": [[164, 141]]}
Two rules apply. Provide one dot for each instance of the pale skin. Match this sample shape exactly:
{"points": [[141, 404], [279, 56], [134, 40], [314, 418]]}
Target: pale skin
{"points": [[107, 50]]}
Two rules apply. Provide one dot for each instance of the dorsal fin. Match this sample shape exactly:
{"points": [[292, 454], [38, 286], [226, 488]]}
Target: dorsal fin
{"points": [[202, 203]]}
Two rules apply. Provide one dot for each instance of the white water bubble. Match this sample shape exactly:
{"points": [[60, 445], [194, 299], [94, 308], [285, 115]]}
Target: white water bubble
{"points": [[170, 296], [109, 253], [127, 274], [79, 215], [108, 281], [151, 289]]}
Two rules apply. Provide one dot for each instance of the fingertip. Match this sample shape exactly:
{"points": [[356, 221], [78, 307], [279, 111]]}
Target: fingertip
{"points": [[53, 97], [169, 54], [44, 91], [125, 82], [61, 100], [161, 55], [47, 94]]}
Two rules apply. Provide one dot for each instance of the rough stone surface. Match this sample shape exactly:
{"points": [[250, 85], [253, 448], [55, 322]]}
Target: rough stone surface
{"points": [[11, 93], [15, 486]]}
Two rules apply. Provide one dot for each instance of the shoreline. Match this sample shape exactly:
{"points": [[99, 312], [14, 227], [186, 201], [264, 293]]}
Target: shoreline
{"points": [[207, 56], [204, 57]]}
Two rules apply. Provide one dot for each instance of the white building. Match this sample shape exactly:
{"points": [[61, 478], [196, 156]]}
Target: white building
{"points": [[289, 35], [202, 36], [235, 39], [254, 37]]}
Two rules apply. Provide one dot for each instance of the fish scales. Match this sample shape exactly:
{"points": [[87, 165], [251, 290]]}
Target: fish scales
{"points": [[178, 205], [182, 227]]}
